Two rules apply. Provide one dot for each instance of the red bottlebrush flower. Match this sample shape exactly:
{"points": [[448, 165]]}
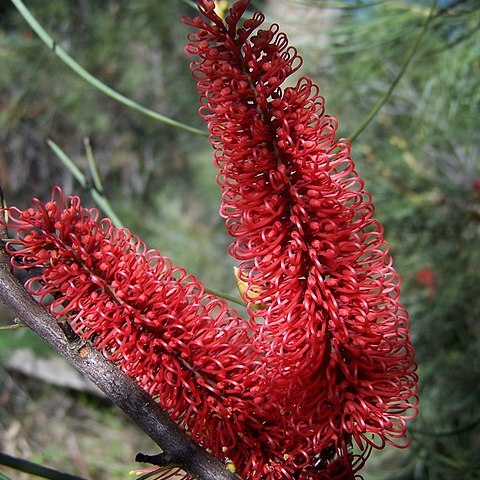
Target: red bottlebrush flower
{"points": [[329, 362], [333, 334], [182, 345]]}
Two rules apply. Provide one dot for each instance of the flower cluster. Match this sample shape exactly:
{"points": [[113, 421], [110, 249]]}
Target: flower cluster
{"points": [[324, 360], [333, 334], [185, 347]]}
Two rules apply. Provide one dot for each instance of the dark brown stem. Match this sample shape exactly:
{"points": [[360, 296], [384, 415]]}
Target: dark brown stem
{"points": [[117, 386]]}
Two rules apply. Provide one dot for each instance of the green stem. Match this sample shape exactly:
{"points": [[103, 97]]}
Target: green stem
{"points": [[92, 165], [224, 295], [25, 466], [88, 77], [101, 200], [15, 326], [370, 116]]}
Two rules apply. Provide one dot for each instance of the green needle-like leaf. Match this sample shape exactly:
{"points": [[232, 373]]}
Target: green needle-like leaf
{"points": [[88, 77], [376, 108]]}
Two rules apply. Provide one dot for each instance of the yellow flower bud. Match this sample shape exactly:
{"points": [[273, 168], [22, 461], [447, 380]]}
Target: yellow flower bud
{"points": [[248, 292]]}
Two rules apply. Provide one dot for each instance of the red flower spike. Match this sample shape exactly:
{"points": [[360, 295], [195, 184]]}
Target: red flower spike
{"points": [[334, 336], [182, 345], [330, 363]]}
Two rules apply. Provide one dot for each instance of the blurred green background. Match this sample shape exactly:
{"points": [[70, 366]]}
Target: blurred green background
{"points": [[419, 156]]}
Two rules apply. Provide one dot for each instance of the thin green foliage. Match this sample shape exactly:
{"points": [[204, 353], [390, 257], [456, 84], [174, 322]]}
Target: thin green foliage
{"points": [[92, 165], [96, 194], [92, 80], [376, 108]]}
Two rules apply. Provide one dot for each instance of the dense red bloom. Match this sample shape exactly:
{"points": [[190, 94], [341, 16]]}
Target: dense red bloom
{"points": [[334, 335], [325, 359], [182, 345]]}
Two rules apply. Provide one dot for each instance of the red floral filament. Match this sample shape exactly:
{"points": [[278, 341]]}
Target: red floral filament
{"points": [[325, 359]]}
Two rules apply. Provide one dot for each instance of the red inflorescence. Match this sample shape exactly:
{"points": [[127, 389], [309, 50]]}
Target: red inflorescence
{"points": [[333, 334], [182, 345], [325, 361]]}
